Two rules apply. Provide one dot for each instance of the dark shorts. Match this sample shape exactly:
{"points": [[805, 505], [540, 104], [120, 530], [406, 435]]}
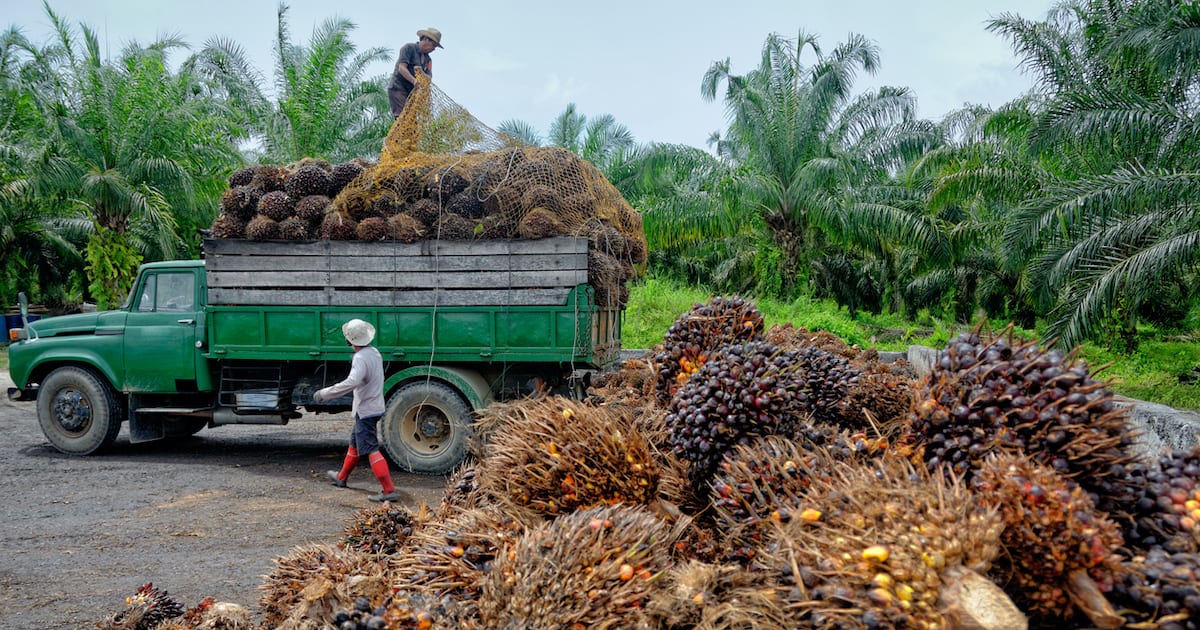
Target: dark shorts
{"points": [[397, 96], [365, 436]]}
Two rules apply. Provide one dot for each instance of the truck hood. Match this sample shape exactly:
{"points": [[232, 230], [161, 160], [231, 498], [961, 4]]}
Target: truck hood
{"points": [[77, 324]]}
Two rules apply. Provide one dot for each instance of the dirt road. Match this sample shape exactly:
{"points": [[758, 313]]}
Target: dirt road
{"points": [[201, 517]]}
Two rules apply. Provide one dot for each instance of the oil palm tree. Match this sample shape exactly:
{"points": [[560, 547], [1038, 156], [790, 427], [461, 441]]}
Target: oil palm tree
{"points": [[127, 142], [1120, 135], [323, 106], [809, 154]]}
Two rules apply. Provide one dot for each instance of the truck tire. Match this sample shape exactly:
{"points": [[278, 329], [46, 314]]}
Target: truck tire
{"points": [[79, 411], [426, 428]]}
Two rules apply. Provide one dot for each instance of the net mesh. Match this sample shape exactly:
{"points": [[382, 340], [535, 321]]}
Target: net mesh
{"points": [[459, 179]]}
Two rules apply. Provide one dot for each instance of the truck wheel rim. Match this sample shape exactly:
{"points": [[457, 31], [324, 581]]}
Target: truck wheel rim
{"points": [[427, 429], [72, 411]]}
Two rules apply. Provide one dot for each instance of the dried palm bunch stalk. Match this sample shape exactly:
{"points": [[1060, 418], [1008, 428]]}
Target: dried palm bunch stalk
{"points": [[1060, 552], [994, 396], [694, 336], [553, 456], [144, 610], [706, 596], [380, 529], [790, 337], [315, 581], [872, 546], [595, 568], [633, 381]]}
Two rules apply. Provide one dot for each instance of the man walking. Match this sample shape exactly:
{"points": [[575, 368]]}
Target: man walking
{"points": [[414, 57], [366, 381]]}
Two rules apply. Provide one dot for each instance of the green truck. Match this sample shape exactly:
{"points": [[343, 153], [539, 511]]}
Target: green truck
{"points": [[246, 335]]}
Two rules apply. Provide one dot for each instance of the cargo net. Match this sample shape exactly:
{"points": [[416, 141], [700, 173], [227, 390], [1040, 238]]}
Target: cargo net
{"points": [[443, 175]]}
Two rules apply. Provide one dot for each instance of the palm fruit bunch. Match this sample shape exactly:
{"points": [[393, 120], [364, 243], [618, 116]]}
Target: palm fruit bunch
{"points": [[267, 178], [604, 274], [315, 581], [210, 614], [1160, 590], [400, 611], [444, 183], [756, 484], [452, 227], [427, 212], [553, 456], [1167, 502], [595, 568], [716, 597], [240, 202], [986, 397], [540, 223], [277, 205], [372, 229], [309, 179], [1061, 552], [311, 209], [337, 227], [694, 336], [879, 397], [450, 557], [405, 229], [826, 380], [873, 546], [228, 226], [242, 176], [262, 228], [144, 610], [633, 382], [740, 393], [293, 229], [341, 174], [386, 206], [462, 491], [380, 530], [466, 204]]}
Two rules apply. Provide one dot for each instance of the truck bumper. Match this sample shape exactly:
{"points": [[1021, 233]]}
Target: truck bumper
{"points": [[18, 394]]}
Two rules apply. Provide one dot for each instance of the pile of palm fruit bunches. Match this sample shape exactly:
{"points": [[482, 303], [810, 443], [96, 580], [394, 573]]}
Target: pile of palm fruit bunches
{"points": [[737, 477], [511, 194]]}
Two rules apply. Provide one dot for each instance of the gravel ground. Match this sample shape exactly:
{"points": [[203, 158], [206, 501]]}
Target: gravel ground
{"points": [[200, 517]]}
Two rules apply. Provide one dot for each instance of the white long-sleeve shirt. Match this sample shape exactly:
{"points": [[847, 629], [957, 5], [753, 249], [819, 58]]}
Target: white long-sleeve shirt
{"points": [[366, 380]]}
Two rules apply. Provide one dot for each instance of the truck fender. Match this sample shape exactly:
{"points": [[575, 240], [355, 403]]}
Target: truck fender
{"points": [[469, 383], [74, 356]]}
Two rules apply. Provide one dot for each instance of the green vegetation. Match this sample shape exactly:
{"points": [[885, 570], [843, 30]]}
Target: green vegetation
{"points": [[1070, 210], [1151, 374]]}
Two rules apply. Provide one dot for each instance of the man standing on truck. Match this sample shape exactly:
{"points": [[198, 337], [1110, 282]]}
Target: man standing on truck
{"points": [[414, 57], [366, 381]]}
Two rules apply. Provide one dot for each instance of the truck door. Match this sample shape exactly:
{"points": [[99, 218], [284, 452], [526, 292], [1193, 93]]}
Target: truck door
{"points": [[160, 333]]}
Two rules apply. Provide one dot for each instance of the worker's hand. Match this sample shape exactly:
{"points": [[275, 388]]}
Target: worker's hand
{"points": [[317, 397]]}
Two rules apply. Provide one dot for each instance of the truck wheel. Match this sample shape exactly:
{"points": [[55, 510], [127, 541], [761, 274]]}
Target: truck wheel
{"points": [[426, 428], [79, 411]]}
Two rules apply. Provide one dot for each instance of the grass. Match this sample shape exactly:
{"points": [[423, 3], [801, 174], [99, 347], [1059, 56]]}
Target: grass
{"points": [[1152, 374]]}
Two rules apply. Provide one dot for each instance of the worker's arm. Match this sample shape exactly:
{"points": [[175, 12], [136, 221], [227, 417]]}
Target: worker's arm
{"points": [[358, 373], [403, 70]]}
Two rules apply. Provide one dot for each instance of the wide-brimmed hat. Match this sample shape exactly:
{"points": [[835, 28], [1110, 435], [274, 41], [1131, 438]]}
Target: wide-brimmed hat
{"points": [[358, 332], [431, 33]]}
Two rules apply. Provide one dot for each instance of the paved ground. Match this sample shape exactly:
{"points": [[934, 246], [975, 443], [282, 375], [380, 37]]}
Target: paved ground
{"points": [[202, 517]]}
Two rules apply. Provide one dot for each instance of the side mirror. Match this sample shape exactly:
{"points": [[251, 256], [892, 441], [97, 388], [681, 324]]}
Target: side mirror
{"points": [[23, 305]]}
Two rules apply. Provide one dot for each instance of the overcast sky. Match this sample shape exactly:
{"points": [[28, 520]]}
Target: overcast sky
{"points": [[641, 61]]}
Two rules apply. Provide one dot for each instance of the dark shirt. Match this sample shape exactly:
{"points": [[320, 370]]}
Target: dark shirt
{"points": [[411, 54]]}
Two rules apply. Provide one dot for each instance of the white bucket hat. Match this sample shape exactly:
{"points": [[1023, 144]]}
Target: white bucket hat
{"points": [[358, 332]]}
